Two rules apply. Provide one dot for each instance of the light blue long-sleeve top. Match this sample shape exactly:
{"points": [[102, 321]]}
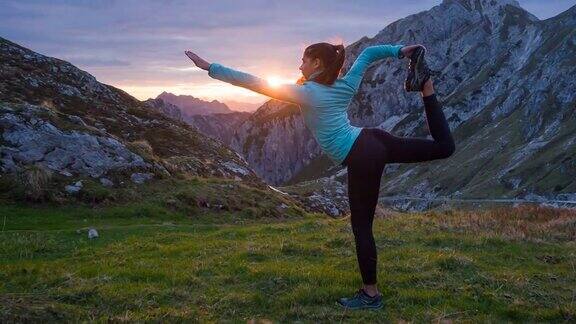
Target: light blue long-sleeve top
{"points": [[324, 108]]}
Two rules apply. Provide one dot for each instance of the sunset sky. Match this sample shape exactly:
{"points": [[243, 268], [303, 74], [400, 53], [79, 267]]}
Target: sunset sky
{"points": [[138, 46]]}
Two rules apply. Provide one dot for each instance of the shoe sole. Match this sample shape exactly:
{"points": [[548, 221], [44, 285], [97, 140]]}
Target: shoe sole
{"points": [[366, 307], [408, 82], [416, 80]]}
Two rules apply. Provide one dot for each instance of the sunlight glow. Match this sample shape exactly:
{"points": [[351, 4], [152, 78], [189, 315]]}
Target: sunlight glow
{"points": [[276, 81], [207, 91]]}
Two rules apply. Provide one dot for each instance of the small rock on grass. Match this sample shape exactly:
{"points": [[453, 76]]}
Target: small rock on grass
{"points": [[140, 178], [106, 182], [74, 188], [92, 233]]}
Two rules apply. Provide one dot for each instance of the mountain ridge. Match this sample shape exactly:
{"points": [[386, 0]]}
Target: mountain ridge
{"points": [[490, 60], [190, 105]]}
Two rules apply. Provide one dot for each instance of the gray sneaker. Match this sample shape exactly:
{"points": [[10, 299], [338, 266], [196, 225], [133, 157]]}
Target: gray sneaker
{"points": [[418, 71], [361, 300]]}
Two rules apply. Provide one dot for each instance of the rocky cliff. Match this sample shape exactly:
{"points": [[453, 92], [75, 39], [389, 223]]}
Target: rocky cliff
{"points": [[275, 141], [57, 117], [221, 126]]}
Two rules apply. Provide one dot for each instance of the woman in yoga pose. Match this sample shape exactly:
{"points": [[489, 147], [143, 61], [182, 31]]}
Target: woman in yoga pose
{"points": [[323, 99]]}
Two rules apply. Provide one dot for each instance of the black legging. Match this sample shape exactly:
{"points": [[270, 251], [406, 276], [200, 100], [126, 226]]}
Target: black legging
{"points": [[370, 152]]}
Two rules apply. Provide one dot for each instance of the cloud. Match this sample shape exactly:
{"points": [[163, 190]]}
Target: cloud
{"points": [[546, 9], [96, 61], [140, 44]]}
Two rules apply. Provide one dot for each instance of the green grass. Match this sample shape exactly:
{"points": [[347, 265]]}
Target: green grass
{"points": [[153, 264]]}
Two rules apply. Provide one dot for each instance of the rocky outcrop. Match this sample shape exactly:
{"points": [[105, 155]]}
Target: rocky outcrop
{"points": [[165, 108], [29, 139], [327, 195]]}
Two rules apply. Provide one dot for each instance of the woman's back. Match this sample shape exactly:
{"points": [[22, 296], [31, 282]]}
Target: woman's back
{"points": [[324, 107], [326, 116]]}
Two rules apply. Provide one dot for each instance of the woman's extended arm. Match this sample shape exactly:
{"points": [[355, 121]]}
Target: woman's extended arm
{"points": [[291, 93], [370, 54]]}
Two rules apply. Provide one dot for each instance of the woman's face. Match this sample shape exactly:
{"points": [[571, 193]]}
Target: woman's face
{"points": [[309, 66]]}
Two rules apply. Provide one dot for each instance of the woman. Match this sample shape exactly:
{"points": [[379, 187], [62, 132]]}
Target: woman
{"points": [[323, 99]]}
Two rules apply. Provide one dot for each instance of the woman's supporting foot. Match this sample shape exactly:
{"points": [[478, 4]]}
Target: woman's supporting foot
{"points": [[361, 300], [371, 290]]}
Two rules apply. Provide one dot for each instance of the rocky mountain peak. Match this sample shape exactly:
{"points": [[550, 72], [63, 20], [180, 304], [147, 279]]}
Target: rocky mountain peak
{"points": [[493, 10], [481, 4], [190, 105]]}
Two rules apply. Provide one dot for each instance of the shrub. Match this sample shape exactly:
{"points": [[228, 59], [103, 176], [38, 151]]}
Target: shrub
{"points": [[36, 181], [142, 148], [93, 192]]}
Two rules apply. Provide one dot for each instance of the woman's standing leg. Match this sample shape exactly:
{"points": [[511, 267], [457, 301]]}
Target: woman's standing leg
{"points": [[364, 174], [363, 188], [365, 168]]}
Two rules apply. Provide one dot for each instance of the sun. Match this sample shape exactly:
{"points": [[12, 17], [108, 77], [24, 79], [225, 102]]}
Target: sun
{"points": [[276, 81]]}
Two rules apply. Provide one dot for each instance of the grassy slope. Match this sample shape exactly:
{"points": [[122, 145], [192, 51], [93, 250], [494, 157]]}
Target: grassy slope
{"points": [[153, 263], [317, 168]]}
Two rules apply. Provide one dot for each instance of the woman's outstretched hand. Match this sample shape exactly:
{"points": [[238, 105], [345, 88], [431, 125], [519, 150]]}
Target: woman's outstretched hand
{"points": [[201, 63]]}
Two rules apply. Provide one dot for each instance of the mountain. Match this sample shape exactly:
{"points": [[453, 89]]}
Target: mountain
{"points": [[242, 106], [56, 117], [190, 106], [221, 126], [165, 108], [506, 84], [275, 141], [248, 134], [506, 89]]}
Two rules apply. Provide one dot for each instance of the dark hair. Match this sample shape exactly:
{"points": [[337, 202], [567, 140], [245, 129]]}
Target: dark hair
{"points": [[332, 57]]}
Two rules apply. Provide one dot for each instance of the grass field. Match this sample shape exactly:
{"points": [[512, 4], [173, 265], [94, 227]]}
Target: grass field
{"points": [[151, 263]]}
